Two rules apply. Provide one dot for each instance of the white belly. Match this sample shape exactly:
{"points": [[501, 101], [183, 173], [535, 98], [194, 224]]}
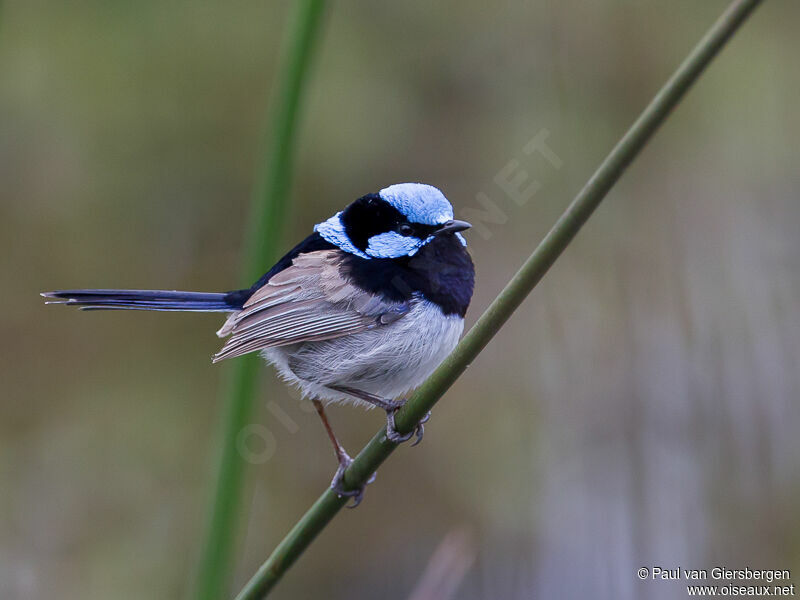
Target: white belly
{"points": [[387, 361]]}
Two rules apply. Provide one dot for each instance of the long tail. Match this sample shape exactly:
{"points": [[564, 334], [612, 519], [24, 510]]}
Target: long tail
{"points": [[146, 300]]}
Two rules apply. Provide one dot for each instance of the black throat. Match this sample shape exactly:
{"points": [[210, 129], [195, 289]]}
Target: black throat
{"points": [[442, 272]]}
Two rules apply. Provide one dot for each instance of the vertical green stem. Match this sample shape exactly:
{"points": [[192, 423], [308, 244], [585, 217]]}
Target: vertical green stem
{"points": [[268, 214], [558, 238]]}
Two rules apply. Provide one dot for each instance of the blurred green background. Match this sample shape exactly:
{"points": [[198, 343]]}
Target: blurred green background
{"points": [[640, 409]]}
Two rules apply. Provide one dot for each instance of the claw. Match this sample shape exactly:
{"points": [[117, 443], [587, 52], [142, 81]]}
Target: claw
{"points": [[420, 428], [395, 436], [338, 480]]}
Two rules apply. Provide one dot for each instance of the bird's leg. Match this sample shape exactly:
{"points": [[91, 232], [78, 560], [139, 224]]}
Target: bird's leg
{"points": [[391, 407], [344, 461]]}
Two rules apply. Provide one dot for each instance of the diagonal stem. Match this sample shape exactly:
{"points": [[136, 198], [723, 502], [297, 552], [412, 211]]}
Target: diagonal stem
{"points": [[554, 243]]}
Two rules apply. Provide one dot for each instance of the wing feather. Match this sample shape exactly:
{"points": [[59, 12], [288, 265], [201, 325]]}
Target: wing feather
{"points": [[308, 301]]}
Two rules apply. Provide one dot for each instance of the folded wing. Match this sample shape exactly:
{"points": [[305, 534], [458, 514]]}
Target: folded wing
{"points": [[307, 301]]}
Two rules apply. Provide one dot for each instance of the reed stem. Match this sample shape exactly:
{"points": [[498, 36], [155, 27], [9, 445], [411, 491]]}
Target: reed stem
{"points": [[509, 299], [262, 244]]}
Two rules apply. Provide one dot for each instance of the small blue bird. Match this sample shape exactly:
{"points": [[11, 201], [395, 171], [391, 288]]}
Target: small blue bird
{"points": [[362, 310]]}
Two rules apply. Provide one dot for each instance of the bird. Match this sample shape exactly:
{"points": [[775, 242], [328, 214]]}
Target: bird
{"points": [[361, 311]]}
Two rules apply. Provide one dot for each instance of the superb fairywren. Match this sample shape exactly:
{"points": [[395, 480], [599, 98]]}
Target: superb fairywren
{"points": [[362, 310]]}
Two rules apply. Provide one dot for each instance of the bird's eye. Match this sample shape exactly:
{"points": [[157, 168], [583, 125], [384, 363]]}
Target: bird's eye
{"points": [[405, 229]]}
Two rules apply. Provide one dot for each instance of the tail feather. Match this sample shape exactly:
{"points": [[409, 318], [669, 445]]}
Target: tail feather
{"points": [[161, 300]]}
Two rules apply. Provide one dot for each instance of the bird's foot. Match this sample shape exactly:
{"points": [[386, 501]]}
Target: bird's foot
{"points": [[395, 436], [337, 483]]}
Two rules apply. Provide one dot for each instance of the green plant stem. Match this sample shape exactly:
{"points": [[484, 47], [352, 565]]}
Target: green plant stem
{"points": [[263, 241], [554, 243]]}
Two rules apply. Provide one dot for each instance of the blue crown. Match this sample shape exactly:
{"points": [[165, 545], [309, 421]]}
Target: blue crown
{"points": [[419, 202]]}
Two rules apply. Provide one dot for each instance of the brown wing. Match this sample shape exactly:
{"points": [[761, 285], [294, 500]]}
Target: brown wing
{"points": [[308, 300]]}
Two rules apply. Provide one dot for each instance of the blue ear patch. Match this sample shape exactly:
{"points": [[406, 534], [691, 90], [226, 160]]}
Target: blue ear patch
{"points": [[420, 203], [391, 244]]}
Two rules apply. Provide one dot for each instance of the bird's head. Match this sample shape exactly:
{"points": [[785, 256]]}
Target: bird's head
{"points": [[395, 222]]}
